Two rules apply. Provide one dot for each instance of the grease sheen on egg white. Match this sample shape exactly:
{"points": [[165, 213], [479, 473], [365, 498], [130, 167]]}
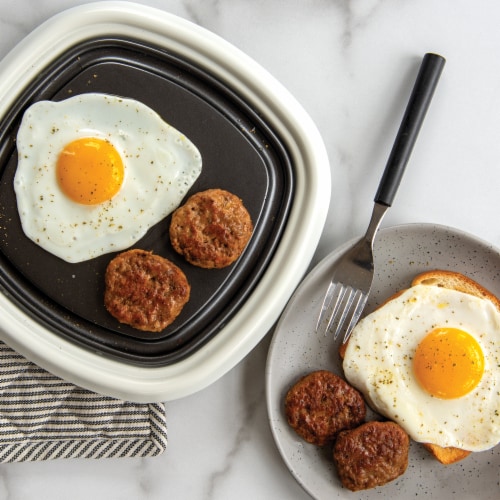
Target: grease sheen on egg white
{"points": [[379, 362], [161, 165]]}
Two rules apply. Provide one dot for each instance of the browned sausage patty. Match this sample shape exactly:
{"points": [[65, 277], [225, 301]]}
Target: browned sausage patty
{"points": [[322, 404], [211, 229], [371, 455], [145, 291]]}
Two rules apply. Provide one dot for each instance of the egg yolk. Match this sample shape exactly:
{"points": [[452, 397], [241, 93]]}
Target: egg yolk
{"points": [[448, 363], [90, 171]]}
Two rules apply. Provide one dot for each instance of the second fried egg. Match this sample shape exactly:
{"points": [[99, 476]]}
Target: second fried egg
{"points": [[429, 359], [96, 171]]}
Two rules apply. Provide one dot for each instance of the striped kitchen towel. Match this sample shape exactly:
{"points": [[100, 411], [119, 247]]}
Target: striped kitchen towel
{"points": [[42, 417]]}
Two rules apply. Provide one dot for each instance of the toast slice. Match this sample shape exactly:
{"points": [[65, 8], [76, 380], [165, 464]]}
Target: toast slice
{"points": [[455, 281], [448, 455]]}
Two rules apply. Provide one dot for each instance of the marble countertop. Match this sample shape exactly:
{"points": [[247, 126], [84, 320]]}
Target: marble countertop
{"points": [[351, 65]]}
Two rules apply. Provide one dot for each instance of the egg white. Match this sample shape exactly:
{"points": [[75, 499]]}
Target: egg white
{"points": [[379, 356], [161, 165]]}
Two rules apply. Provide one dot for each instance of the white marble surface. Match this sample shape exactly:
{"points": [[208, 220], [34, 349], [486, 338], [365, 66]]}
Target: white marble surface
{"points": [[351, 65]]}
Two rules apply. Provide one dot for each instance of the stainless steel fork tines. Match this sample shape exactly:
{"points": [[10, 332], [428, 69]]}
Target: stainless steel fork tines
{"points": [[352, 275], [350, 284]]}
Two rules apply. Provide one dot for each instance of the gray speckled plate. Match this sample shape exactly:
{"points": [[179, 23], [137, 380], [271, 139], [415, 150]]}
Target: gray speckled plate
{"points": [[400, 253]]}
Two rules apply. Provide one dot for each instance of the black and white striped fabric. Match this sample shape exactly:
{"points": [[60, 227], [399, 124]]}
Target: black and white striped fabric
{"points": [[42, 417]]}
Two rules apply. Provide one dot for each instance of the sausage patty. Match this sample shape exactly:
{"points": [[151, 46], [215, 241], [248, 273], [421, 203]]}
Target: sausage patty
{"points": [[145, 291], [322, 404], [211, 229], [371, 455]]}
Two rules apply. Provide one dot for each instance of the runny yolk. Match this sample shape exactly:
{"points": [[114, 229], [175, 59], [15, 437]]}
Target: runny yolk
{"points": [[90, 171], [448, 363]]}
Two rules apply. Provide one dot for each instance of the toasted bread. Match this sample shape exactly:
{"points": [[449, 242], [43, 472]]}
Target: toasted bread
{"points": [[455, 281], [448, 455]]}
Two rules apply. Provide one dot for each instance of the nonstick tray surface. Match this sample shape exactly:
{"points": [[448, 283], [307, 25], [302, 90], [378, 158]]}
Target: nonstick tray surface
{"points": [[240, 152]]}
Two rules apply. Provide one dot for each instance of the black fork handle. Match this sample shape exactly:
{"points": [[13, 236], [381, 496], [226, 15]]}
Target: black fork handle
{"points": [[421, 96]]}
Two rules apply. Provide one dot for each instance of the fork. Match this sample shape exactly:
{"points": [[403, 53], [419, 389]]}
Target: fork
{"points": [[352, 274]]}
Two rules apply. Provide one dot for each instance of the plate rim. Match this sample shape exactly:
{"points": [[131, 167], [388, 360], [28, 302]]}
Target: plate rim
{"points": [[298, 242], [322, 265]]}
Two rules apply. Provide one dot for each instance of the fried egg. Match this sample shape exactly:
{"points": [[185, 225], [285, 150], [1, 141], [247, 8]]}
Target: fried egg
{"points": [[430, 360], [96, 171]]}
